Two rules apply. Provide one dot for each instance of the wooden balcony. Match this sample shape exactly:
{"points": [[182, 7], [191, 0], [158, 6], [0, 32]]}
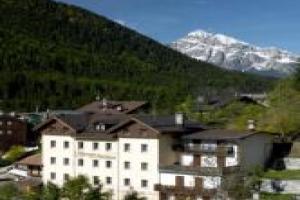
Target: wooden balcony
{"points": [[199, 171], [198, 149], [184, 190]]}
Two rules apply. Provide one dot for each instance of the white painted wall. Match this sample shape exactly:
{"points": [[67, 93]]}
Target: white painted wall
{"points": [[59, 152], [136, 157], [88, 154], [209, 182], [116, 155], [187, 159]]}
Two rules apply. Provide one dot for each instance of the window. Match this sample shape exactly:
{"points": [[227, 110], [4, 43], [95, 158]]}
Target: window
{"points": [[66, 177], [66, 144], [126, 147], [9, 132], [9, 123], [95, 146], [108, 164], [108, 146], [1, 123], [95, 163], [80, 145], [144, 183], [126, 181], [52, 143], [66, 161], [108, 180], [144, 148], [100, 127], [52, 160], [230, 151], [209, 147], [80, 162], [96, 180], [144, 166], [127, 165], [1, 132], [52, 176]]}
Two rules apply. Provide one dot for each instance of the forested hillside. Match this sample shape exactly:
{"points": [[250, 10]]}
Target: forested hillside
{"points": [[57, 56]]}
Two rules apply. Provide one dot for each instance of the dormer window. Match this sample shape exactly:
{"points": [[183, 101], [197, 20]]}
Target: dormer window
{"points": [[119, 108], [100, 127]]}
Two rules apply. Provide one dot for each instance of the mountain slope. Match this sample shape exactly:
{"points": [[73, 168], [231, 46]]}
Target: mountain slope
{"points": [[54, 55], [233, 54]]}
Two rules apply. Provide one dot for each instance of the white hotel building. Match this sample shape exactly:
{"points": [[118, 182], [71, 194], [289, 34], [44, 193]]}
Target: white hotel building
{"points": [[159, 157]]}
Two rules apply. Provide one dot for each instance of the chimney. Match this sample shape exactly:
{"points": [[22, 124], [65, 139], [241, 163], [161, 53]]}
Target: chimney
{"points": [[179, 119], [13, 114], [251, 125], [104, 103]]}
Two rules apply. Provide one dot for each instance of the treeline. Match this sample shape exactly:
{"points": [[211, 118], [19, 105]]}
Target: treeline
{"points": [[59, 56]]}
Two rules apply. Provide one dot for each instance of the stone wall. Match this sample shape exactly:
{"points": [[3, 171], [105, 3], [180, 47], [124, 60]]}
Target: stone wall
{"points": [[292, 163], [281, 186]]}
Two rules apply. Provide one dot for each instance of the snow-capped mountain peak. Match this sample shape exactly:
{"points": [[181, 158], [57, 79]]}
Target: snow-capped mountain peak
{"points": [[232, 53], [207, 35]]}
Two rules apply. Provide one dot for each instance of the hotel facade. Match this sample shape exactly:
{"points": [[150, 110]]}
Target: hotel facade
{"points": [[159, 157]]}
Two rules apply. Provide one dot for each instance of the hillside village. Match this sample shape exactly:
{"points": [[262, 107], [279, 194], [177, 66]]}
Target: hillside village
{"points": [[119, 146]]}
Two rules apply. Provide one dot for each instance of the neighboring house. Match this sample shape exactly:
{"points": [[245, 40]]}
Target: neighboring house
{"points": [[13, 131], [206, 160], [105, 106], [30, 166], [214, 103]]}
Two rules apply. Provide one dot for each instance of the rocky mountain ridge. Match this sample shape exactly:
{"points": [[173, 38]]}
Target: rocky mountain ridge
{"points": [[234, 54]]}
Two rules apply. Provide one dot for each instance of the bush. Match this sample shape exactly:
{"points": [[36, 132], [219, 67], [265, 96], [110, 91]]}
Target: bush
{"points": [[14, 153]]}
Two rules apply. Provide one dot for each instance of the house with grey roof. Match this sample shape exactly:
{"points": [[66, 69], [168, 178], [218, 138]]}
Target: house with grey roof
{"points": [[208, 159]]}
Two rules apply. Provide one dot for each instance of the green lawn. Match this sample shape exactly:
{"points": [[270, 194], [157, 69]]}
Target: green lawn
{"points": [[268, 196], [284, 174]]}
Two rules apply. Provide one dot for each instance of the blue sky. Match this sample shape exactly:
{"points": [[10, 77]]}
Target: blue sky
{"points": [[260, 22]]}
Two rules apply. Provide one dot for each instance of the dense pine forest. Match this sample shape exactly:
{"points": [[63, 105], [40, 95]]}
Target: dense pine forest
{"points": [[60, 56]]}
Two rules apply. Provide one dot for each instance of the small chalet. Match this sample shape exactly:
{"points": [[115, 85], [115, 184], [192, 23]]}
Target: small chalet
{"points": [[13, 131], [30, 166]]}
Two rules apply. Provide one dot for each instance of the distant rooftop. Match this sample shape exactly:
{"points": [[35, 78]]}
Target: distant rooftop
{"points": [[168, 123], [219, 134], [105, 106]]}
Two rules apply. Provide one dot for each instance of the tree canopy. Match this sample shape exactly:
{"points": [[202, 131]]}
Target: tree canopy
{"points": [[60, 56]]}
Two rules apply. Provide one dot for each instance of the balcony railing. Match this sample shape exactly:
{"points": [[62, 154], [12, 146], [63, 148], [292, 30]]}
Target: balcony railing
{"points": [[201, 171], [198, 148], [184, 190]]}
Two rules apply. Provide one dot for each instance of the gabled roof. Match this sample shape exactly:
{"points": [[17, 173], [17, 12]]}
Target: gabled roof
{"points": [[49, 121], [34, 160], [84, 124], [167, 124], [219, 134], [112, 107]]}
